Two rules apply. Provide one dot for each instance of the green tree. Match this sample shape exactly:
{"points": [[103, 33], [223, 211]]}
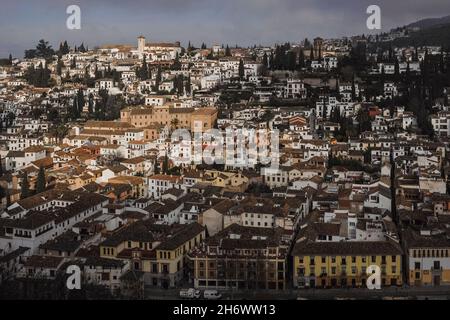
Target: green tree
{"points": [[158, 78], [41, 182], [65, 48], [59, 67], [25, 187], [176, 64], [301, 59], [228, 52], [187, 85], [143, 71], [165, 165], [80, 101], [90, 104], [44, 50], [156, 168], [265, 61], [241, 69]]}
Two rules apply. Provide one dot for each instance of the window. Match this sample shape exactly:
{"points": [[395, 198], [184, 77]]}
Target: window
{"points": [[436, 265]]}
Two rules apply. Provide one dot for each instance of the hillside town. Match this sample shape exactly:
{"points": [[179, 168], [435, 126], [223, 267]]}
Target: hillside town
{"points": [[91, 174]]}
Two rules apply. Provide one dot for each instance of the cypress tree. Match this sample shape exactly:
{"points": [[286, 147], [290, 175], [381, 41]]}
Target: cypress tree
{"points": [[80, 102], [187, 85], [41, 182], [265, 61], [227, 51], [241, 69], [59, 66], [90, 104], [301, 59], [25, 187], [165, 166]]}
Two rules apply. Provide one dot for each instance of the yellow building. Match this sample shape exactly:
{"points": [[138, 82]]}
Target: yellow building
{"points": [[168, 115], [428, 258], [345, 263], [137, 184], [204, 118], [157, 250]]}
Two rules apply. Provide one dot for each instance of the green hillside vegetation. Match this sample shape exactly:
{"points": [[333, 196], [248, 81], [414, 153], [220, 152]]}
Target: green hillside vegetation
{"points": [[436, 36]]}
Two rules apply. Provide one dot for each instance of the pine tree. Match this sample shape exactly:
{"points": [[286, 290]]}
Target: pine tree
{"points": [[41, 182], [25, 187]]}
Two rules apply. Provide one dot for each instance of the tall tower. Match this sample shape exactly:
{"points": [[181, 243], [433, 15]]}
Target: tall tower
{"points": [[318, 42], [141, 43]]}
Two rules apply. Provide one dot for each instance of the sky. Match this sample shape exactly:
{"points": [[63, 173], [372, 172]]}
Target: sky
{"points": [[242, 22]]}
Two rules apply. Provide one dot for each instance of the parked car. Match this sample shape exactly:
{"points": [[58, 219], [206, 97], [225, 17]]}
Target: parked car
{"points": [[190, 293], [212, 295]]}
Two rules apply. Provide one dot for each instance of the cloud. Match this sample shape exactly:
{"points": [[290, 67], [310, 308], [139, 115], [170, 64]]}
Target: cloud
{"points": [[245, 22]]}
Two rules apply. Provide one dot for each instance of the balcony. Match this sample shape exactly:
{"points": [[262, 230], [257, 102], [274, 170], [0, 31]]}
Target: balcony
{"points": [[436, 270]]}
